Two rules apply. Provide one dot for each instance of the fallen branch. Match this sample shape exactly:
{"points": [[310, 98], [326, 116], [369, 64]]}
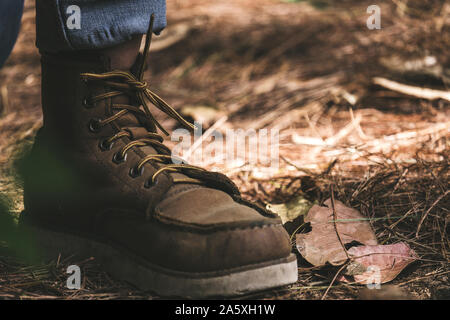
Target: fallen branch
{"points": [[423, 93]]}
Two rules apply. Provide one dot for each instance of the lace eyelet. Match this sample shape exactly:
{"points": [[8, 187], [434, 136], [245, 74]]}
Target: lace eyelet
{"points": [[118, 159], [105, 146], [94, 125], [134, 172], [87, 104], [148, 184]]}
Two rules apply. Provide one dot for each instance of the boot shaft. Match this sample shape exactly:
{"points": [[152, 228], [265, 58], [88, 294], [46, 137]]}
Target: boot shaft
{"points": [[66, 96]]}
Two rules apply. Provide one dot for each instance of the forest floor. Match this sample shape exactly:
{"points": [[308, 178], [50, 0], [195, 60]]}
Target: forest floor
{"points": [[311, 70]]}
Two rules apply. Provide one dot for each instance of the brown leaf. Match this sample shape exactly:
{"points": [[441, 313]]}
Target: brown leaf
{"points": [[322, 244], [291, 210], [380, 263]]}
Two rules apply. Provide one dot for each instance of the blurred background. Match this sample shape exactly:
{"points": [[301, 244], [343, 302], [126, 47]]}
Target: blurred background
{"points": [[366, 111]]}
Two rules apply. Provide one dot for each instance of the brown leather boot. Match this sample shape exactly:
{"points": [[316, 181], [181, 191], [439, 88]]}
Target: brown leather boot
{"points": [[100, 182]]}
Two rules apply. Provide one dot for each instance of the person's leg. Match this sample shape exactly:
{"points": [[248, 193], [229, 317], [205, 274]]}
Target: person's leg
{"points": [[10, 16], [101, 181], [70, 25]]}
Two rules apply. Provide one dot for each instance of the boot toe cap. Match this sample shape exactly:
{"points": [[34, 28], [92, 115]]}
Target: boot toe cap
{"points": [[220, 233]]}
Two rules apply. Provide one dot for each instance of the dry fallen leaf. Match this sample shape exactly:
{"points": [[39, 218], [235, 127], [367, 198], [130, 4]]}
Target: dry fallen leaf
{"points": [[290, 210], [379, 263], [322, 244]]}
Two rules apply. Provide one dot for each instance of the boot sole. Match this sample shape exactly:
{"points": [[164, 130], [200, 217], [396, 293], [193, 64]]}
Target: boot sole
{"points": [[165, 282]]}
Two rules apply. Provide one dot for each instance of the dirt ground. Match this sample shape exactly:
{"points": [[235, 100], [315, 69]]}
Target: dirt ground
{"points": [[309, 70]]}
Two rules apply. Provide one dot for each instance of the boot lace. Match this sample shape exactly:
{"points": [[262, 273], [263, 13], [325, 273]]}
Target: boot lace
{"points": [[123, 82]]}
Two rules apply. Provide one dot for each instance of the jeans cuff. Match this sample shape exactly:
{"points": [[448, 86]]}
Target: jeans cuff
{"points": [[67, 25]]}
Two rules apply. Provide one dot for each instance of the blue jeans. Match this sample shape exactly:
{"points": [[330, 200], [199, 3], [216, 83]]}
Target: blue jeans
{"points": [[65, 25], [10, 15]]}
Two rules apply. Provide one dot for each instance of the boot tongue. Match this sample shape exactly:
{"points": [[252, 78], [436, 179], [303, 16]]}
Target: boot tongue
{"points": [[124, 56]]}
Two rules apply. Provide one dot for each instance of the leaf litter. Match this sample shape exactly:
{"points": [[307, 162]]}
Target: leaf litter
{"points": [[334, 227]]}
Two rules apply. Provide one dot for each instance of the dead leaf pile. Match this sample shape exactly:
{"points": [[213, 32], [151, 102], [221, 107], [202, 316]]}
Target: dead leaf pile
{"points": [[340, 234]]}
